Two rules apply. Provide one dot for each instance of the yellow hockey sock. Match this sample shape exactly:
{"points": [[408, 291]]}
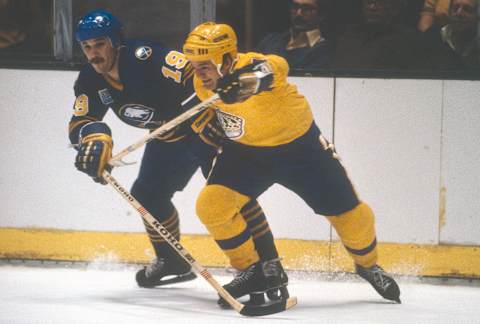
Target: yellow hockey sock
{"points": [[356, 229]]}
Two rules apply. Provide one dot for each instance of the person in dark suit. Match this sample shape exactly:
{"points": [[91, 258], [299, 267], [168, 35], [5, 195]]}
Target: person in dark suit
{"points": [[305, 44]]}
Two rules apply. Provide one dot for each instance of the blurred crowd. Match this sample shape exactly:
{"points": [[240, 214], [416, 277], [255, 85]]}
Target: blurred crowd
{"points": [[445, 37], [322, 34], [25, 26]]}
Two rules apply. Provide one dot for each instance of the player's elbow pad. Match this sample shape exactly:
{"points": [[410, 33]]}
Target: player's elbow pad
{"points": [[97, 129]]}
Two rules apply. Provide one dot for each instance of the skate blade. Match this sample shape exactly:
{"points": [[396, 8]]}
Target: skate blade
{"points": [[268, 308], [180, 278], [271, 307], [390, 295]]}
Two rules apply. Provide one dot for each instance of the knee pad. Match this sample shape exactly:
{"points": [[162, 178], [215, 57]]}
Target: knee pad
{"points": [[218, 208], [356, 229], [218, 205]]}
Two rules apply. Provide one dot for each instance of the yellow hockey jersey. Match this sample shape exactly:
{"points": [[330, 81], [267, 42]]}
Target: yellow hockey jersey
{"points": [[270, 118]]}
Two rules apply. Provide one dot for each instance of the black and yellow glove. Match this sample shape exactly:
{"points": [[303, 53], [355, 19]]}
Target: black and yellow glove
{"points": [[209, 129], [243, 83], [94, 151]]}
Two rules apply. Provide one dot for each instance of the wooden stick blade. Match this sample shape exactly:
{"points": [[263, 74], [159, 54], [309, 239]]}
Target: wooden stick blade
{"points": [[272, 307]]}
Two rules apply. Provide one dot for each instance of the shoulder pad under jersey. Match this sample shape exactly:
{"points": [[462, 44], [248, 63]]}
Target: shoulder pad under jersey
{"points": [[143, 50]]}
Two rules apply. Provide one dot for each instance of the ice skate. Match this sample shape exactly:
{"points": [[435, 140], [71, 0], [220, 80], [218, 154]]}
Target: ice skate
{"points": [[383, 283], [162, 272], [262, 278]]}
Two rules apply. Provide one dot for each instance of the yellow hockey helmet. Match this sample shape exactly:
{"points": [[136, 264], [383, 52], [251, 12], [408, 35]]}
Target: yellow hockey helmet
{"points": [[210, 41]]}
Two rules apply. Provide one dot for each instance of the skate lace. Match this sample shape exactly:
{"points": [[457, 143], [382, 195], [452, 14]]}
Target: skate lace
{"points": [[381, 280], [243, 277], [154, 267]]}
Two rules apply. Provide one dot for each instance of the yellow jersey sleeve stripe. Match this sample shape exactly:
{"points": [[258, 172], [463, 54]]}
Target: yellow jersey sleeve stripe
{"points": [[74, 124]]}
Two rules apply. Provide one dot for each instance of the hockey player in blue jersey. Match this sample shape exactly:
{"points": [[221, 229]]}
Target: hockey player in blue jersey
{"points": [[146, 84]]}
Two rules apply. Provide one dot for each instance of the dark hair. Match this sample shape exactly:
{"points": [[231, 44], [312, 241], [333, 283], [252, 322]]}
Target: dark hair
{"points": [[320, 3]]}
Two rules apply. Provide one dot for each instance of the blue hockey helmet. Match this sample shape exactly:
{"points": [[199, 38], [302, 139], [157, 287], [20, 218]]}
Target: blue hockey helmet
{"points": [[99, 23]]}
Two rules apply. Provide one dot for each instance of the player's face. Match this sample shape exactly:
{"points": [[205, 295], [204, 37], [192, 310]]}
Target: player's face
{"points": [[100, 53], [207, 72]]}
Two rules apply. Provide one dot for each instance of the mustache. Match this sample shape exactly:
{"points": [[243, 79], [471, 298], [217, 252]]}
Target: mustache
{"points": [[460, 20], [298, 21], [96, 60]]}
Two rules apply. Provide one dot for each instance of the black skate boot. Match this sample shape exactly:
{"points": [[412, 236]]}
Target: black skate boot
{"points": [[383, 283], [164, 271], [259, 279]]}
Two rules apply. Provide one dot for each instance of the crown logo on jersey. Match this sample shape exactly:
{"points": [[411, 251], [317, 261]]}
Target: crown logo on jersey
{"points": [[232, 125], [143, 52]]}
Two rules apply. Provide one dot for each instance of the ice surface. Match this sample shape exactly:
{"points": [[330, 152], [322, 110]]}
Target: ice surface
{"points": [[99, 295]]}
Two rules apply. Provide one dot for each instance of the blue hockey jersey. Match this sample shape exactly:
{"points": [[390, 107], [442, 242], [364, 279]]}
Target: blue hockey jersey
{"points": [[155, 81]]}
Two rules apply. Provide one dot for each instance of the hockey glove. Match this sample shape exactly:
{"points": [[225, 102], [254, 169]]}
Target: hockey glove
{"points": [[243, 83], [209, 129], [95, 149]]}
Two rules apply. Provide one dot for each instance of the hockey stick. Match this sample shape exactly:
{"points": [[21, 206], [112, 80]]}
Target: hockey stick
{"points": [[116, 160], [247, 310]]}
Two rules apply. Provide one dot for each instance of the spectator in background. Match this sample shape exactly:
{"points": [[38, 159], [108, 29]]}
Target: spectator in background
{"points": [[23, 27], [304, 45], [455, 45], [434, 12], [11, 32], [379, 41]]}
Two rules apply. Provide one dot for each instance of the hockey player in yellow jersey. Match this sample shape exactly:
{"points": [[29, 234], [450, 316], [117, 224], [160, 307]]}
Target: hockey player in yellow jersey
{"points": [[270, 123], [272, 139]]}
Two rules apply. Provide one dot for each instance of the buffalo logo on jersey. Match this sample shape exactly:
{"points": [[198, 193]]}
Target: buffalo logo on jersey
{"points": [[81, 106], [136, 115], [232, 125], [143, 53]]}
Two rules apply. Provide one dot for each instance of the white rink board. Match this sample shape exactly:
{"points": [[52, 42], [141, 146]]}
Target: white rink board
{"points": [[40, 187], [461, 163], [388, 135], [387, 131]]}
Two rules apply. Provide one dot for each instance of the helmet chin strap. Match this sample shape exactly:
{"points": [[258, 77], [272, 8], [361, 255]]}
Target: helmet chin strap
{"points": [[234, 61], [219, 67]]}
